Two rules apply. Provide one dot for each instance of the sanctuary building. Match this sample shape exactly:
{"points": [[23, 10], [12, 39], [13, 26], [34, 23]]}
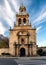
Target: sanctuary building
{"points": [[22, 39]]}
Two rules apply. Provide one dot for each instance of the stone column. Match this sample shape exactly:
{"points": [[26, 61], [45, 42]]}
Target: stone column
{"points": [[31, 49], [26, 51], [12, 49], [17, 51], [27, 22], [34, 50]]}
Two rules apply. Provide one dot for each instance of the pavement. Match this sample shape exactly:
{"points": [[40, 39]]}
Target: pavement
{"points": [[22, 60], [7, 61]]}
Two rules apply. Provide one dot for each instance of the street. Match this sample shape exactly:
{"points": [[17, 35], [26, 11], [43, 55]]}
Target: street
{"points": [[23, 61], [7, 61]]}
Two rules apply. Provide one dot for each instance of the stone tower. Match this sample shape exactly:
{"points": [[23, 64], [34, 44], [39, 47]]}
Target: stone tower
{"points": [[22, 40]]}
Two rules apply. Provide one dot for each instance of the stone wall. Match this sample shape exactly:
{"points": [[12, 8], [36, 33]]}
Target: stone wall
{"points": [[4, 50], [43, 48]]}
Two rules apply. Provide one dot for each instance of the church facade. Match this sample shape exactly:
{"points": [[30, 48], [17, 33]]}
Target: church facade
{"points": [[22, 39]]}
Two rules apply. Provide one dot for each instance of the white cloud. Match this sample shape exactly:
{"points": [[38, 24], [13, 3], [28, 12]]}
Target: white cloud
{"points": [[2, 28], [42, 43], [7, 14], [39, 18], [15, 5], [38, 29], [8, 9]]}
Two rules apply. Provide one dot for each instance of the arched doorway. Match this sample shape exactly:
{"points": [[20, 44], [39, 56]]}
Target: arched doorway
{"points": [[22, 52]]}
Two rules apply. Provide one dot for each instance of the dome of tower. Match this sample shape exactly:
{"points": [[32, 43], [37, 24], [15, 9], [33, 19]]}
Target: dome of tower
{"points": [[22, 8]]}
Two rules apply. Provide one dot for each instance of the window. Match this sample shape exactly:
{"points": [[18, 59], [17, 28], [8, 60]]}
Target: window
{"points": [[22, 40], [19, 22], [24, 21]]}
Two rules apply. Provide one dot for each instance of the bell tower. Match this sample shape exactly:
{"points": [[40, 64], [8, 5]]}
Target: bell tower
{"points": [[22, 17]]}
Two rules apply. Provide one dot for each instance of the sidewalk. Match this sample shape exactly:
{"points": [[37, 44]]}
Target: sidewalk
{"points": [[39, 57]]}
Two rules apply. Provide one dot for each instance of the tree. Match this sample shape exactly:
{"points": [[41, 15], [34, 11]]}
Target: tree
{"points": [[40, 52]]}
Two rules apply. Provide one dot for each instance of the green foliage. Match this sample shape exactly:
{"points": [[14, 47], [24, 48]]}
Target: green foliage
{"points": [[40, 52], [4, 44], [5, 53], [44, 53]]}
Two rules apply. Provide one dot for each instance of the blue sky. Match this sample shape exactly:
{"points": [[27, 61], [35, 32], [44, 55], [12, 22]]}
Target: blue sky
{"points": [[37, 16]]}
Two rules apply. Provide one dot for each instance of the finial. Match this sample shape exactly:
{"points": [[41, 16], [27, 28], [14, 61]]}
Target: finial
{"points": [[10, 27], [14, 24], [30, 23], [34, 26]]}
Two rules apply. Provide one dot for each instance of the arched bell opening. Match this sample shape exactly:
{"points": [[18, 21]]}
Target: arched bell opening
{"points": [[19, 22], [24, 21]]}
